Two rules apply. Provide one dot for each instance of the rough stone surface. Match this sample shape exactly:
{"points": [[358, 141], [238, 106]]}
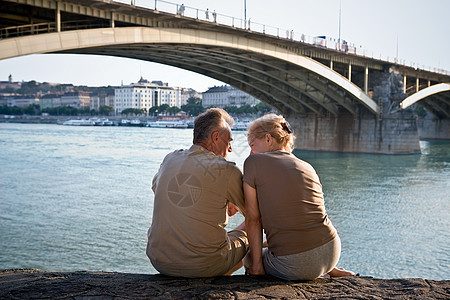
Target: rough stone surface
{"points": [[36, 284], [364, 134], [434, 129]]}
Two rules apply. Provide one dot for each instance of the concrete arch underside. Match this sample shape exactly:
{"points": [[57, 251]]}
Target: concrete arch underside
{"points": [[434, 98], [285, 80]]}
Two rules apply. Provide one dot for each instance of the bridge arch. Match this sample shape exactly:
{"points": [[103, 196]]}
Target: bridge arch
{"points": [[435, 107], [288, 81], [426, 92]]}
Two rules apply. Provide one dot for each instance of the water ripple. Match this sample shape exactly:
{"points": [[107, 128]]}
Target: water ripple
{"points": [[77, 198]]}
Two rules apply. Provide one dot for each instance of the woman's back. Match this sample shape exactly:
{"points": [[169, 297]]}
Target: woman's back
{"points": [[290, 200]]}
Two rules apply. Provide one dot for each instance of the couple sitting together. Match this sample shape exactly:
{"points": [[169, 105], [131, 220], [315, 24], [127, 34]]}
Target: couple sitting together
{"points": [[197, 190]]}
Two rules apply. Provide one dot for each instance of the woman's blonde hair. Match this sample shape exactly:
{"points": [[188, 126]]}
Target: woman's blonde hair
{"points": [[274, 125]]}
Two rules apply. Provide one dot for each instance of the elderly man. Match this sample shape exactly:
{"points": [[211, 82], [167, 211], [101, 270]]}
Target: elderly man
{"points": [[195, 192]]}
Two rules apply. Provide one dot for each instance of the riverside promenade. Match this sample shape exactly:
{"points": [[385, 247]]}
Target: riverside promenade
{"points": [[36, 284]]}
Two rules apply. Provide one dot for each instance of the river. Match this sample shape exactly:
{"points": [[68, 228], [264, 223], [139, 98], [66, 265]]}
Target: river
{"points": [[79, 198]]}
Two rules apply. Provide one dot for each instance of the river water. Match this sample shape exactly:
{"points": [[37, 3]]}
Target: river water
{"points": [[79, 198]]}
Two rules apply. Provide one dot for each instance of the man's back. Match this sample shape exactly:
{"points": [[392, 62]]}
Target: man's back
{"points": [[192, 190]]}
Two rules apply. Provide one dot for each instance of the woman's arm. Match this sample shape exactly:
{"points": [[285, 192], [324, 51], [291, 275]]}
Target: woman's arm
{"points": [[254, 231]]}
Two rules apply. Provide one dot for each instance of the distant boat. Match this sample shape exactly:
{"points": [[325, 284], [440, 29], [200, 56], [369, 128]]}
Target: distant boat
{"points": [[167, 124], [240, 125], [108, 123], [103, 122], [124, 122], [79, 122], [136, 122]]}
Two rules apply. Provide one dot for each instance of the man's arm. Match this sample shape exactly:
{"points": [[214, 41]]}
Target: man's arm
{"points": [[235, 194], [155, 179]]}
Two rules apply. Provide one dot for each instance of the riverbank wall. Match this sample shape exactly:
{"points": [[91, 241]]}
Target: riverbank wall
{"points": [[36, 284]]}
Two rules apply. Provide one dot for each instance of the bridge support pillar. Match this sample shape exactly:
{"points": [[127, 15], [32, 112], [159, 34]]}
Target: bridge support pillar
{"points": [[113, 22], [404, 84], [434, 129], [391, 131], [350, 72], [58, 16], [364, 134]]}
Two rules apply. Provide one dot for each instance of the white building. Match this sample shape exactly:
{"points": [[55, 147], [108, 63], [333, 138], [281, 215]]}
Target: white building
{"points": [[145, 95], [18, 101], [221, 96]]}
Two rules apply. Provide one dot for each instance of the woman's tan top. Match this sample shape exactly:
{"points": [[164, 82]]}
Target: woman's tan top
{"points": [[290, 201]]}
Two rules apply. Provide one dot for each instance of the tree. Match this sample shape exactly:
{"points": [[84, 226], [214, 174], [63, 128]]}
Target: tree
{"points": [[194, 100], [163, 108], [105, 110], [193, 109], [30, 87], [85, 111], [153, 110], [263, 107], [7, 110], [246, 109], [61, 111], [173, 110], [32, 109], [132, 111]]}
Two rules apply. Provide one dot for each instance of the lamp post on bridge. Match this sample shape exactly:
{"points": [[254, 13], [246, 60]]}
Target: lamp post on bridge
{"points": [[339, 39], [245, 14]]}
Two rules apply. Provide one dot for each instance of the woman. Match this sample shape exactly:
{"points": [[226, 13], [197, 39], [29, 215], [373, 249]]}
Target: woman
{"points": [[284, 197]]}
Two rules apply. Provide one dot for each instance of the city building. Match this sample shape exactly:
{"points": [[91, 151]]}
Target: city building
{"points": [[187, 93], [18, 100], [144, 95], [50, 101], [222, 96], [10, 84], [76, 99], [101, 98]]}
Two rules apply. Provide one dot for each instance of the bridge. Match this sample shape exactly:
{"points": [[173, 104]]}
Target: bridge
{"points": [[336, 98]]}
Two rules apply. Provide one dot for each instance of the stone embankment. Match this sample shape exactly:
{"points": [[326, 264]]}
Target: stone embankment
{"points": [[36, 284]]}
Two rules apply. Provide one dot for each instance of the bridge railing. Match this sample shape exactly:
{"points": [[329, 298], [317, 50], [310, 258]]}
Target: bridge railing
{"points": [[30, 29], [17, 31], [320, 41]]}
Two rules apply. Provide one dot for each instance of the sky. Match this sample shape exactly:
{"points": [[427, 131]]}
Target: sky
{"points": [[418, 31]]}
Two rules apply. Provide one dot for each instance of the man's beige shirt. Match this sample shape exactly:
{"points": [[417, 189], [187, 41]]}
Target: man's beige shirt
{"points": [[192, 191]]}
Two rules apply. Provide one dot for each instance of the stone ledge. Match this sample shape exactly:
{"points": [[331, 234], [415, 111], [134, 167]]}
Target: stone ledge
{"points": [[36, 284]]}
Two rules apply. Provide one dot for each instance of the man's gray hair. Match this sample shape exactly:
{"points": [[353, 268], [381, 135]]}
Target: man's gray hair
{"points": [[209, 121]]}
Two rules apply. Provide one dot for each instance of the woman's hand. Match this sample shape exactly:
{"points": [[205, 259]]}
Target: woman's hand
{"points": [[255, 271], [254, 232], [232, 209]]}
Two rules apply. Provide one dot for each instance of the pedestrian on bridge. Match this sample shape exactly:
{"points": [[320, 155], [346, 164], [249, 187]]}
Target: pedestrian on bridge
{"points": [[181, 10]]}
